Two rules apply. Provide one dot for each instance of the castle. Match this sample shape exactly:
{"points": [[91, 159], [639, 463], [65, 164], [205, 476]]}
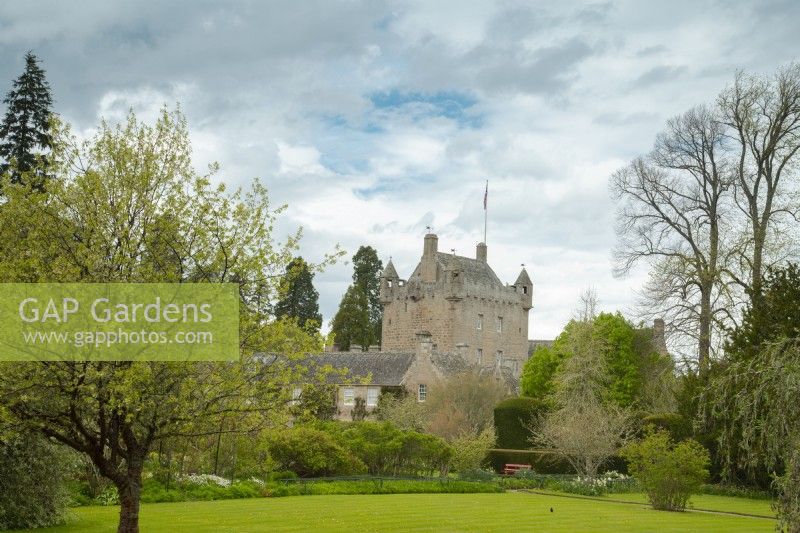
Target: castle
{"points": [[452, 315], [462, 304]]}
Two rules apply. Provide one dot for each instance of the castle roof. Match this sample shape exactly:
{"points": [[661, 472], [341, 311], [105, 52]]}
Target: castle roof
{"points": [[382, 368], [473, 271], [523, 278], [390, 272]]}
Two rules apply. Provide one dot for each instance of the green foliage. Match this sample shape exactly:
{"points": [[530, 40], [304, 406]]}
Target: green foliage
{"points": [[312, 452], [622, 362], [788, 485], [388, 450], [367, 269], [669, 473], [298, 297], [32, 482], [127, 206], [536, 380], [512, 418], [359, 411], [469, 451], [351, 323], [774, 316], [628, 355], [358, 319], [677, 425], [25, 133]]}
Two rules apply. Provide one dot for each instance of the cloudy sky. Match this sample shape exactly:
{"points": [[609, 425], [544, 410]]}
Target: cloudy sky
{"points": [[373, 119]]}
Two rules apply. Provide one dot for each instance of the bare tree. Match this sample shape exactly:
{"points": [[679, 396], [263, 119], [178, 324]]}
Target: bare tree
{"points": [[671, 207], [762, 116], [587, 305], [583, 429]]}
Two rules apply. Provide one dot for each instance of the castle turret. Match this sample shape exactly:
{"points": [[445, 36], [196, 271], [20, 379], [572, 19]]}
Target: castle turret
{"points": [[389, 281], [524, 286], [428, 264], [480, 252]]}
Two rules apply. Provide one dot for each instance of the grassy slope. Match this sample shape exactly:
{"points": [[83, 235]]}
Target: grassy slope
{"points": [[410, 512]]}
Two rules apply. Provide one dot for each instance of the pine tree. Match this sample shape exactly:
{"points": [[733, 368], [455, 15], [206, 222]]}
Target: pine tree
{"points": [[367, 270], [25, 136], [299, 299], [351, 324]]}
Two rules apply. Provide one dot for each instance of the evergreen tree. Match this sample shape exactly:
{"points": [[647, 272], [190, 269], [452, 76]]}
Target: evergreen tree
{"points": [[367, 270], [299, 299], [351, 325], [25, 135]]}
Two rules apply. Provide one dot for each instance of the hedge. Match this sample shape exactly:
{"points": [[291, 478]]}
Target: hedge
{"points": [[510, 419], [545, 461]]}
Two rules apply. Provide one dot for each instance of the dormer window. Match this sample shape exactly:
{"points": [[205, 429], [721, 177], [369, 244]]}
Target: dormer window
{"points": [[524, 289], [389, 282]]}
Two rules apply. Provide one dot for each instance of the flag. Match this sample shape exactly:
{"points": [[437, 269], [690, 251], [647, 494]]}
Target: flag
{"points": [[485, 195]]}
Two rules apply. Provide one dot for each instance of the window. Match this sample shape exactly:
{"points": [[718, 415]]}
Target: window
{"points": [[349, 396], [480, 355], [422, 393], [524, 289], [372, 396], [479, 324], [499, 324], [498, 358]]}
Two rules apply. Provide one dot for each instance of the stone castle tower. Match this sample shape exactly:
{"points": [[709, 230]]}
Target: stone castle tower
{"points": [[462, 304]]}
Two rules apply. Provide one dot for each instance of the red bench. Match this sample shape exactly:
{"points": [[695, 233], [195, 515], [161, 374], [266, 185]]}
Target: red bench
{"points": [[510, 469]]}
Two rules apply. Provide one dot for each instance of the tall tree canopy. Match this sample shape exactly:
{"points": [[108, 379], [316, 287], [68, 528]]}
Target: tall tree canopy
{"points": [[298, 297], [632, 367], [351, 323], [358, 320], [712, 206], [127, 206], [25, 136]]}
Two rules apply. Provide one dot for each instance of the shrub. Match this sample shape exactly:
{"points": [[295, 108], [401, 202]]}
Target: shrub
{"points": [[32, 489], [469, 452], [312, 452], [678, 426], [387, 450], [512, 418], [669, 473]]}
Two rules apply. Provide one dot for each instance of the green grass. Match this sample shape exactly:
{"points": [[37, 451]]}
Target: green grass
{"points": [[516, 512], [714, 503]]}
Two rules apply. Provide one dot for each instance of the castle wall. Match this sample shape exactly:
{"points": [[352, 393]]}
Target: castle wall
{"points": [[453, 321]]}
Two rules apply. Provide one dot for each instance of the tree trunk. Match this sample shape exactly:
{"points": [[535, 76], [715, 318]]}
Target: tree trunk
{"points": [[129, 493], [704, 340]]}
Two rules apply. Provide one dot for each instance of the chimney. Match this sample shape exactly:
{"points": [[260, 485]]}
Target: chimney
{"points": [[424, 344], [480, 252], [428, 270]]}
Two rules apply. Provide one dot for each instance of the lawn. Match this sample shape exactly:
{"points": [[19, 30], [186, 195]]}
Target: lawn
{"points": [[412, 512]]}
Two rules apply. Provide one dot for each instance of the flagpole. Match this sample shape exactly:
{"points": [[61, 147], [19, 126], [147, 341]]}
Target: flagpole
{"points": [[485, 210]]}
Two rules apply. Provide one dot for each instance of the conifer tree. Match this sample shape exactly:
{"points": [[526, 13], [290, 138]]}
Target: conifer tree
{"points": [[367, 270], [25, 137], [299, 299], [351, 323]]}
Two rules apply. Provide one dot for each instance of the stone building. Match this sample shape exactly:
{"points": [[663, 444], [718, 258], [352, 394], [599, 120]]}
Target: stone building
{"points": [[464, 306], [368, 374]]}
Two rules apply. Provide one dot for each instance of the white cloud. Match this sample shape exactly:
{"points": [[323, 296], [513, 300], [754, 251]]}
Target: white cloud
{"points": [[545, 100]]}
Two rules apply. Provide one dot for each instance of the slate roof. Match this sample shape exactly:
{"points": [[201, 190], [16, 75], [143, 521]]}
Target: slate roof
{"points": [[474, 271], [384, 368]]}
